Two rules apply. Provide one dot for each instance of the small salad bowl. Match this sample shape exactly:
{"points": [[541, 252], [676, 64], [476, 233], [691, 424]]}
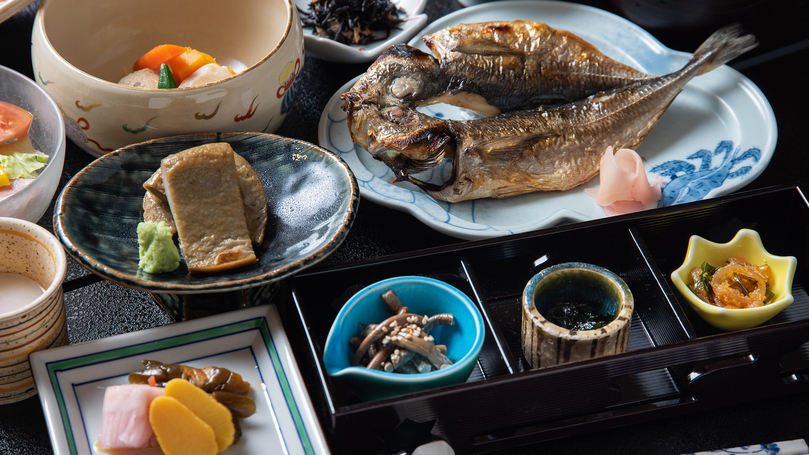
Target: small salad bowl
{"points": [[422, 296], [81, 49], [746, 244], [47, 135]]}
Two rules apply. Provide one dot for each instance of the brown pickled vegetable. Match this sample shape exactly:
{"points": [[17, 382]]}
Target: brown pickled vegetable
{"points": [[239, 405], [352, 21], [401, 343], [225, 386], [208, 379]]}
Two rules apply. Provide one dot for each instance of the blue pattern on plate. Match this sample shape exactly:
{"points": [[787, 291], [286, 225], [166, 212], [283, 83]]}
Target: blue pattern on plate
{"points": [[690, 184], [764, 449]]}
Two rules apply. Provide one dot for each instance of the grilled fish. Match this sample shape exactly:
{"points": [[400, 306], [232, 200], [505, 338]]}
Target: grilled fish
{"points": [[523, 64], [489, 67], [383, 124], [558, 148], [539, 149]]}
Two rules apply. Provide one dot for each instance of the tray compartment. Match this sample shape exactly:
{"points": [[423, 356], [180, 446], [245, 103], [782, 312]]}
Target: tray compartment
{"points": [[499, 275], [322, 295], [780, 217], [674, 365]]}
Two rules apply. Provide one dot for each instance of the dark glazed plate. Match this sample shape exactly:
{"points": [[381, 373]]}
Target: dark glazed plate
{"points": [[312, 199]]}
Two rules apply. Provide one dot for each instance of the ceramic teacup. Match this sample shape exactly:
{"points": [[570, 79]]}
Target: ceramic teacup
{"points": [[561, 290], [32, 314]]}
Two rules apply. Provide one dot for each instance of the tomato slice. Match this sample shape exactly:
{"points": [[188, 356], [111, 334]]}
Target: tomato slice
{"points": [[14, 122]]}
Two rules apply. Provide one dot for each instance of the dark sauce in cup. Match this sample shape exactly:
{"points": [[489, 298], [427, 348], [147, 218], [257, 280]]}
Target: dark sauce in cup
{"points": [[576, 315]]}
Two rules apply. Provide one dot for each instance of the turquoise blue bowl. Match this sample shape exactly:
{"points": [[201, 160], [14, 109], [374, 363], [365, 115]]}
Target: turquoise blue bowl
{"points": [[421, 295]]}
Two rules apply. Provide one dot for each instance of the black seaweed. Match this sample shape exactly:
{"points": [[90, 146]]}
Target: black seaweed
{"points": [[352, 21], [576, 316]]}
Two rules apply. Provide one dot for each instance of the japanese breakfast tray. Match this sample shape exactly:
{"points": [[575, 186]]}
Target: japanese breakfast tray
{"points": [[675, 362]]}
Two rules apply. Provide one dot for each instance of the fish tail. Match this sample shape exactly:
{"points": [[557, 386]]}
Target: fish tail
{"points": [[723, 46]]}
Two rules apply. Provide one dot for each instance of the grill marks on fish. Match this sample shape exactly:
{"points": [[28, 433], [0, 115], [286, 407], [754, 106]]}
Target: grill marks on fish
{"points": [[539, 149]]}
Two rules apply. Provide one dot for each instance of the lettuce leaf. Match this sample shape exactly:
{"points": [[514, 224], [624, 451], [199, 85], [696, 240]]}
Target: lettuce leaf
{"points": [[23, 165]]}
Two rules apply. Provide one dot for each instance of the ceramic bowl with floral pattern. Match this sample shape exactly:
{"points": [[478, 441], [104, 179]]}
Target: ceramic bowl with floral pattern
{"points": [[81, 50]]}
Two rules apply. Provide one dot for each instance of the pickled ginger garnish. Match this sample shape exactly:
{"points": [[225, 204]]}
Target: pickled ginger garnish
{"points": [[625, 188]]}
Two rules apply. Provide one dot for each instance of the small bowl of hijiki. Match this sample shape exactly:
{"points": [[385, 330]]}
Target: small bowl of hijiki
{"points": [[358, 32], [404, 335], [735, 285]]}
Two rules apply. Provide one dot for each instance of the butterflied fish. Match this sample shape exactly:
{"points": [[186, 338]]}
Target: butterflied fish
{"points": [[380, 122], [489, 67], [558, 148], [524, 64], [539, 149]]}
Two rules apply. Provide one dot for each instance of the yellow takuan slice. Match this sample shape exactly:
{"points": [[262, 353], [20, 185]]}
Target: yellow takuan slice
{"points": [[206, 408], [179, 431]]}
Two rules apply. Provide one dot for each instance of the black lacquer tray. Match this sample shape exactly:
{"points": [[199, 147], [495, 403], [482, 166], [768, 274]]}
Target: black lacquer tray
{"points": [[675, 363]]}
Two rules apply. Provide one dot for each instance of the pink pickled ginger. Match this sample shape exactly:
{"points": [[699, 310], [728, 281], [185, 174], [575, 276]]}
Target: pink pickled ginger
{"points": [[624, 185], [125, 417]]}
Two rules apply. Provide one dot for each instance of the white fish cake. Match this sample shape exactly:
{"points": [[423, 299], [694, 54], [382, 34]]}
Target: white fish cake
{"points": [[202, 188]]}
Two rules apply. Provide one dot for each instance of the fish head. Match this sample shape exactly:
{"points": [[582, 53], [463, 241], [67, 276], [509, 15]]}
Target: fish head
{"points": [[409, 141], [416, 149], [402, 74]]}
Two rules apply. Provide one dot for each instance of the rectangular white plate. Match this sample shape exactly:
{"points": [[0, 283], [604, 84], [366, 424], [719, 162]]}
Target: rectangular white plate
{"points": [[252, 342]]}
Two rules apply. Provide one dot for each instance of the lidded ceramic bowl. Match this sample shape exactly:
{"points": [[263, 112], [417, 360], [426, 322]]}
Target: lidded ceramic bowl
{"points": [[745, 244], [80, 50], [574, 283]]}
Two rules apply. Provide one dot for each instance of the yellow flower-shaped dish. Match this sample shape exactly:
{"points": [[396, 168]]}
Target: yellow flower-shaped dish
{"points": [[746, 244]]}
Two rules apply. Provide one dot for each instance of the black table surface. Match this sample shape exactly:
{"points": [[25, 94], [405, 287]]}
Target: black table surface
{"points": [[101, 309]]}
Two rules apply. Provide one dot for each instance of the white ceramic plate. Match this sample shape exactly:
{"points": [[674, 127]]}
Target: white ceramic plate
{"points": [[472, 2], [251, 342], [717, 136], [330, 50]]}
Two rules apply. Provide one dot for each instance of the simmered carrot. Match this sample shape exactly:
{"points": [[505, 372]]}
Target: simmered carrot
{"points": [[183, 65], [158, 55]]}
